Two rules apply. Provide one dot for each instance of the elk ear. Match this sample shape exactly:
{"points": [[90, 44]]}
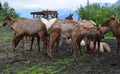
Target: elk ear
{"points": [[71, 14], [113, 16]]}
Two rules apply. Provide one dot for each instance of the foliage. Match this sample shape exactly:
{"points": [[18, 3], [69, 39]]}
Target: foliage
{"points": [[98, 13], [6, 10]]}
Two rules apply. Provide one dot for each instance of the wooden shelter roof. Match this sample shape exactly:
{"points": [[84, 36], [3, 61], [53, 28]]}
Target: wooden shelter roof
{"points": [[47, 12]]}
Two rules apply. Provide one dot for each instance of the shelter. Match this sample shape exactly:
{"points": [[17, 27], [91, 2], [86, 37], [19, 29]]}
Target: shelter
{"points": [[45, 14]]}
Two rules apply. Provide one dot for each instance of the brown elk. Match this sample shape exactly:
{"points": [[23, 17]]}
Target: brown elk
{"points": [[69, 17], [26, 27], [90, 24], [104, 29], [90, 45], [72, 30], [61, 39], [114, 24], [84, 23], [60, 28], [94, 41]]}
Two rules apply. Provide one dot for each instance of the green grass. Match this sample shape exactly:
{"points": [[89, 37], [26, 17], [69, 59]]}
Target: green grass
{"points": [[108, 37], [5, 34], [55, 68], [58, 66]]}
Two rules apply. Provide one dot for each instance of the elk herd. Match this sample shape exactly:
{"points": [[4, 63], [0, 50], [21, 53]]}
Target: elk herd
{"points": [[55, 30]]}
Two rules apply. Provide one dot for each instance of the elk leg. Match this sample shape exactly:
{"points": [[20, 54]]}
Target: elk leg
{"points": [[23, 43], [50, 43], [94, 44], [98, 43], [117, 52], [60, 42], [57, 43], [74, 48], [16, 41], [38, 42], [88, 46], [43, 36], [25, 40], [74, 38], [32, 40], [79, 46], [53, 36]]}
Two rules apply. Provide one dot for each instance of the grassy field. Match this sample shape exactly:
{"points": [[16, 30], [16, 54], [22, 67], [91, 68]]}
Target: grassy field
{"points": [[6, 33], [24, 61]]}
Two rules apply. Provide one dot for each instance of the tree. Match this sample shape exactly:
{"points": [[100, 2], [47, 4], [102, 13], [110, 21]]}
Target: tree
{"points": [[7, 10], [97, 13], [0, 6]]}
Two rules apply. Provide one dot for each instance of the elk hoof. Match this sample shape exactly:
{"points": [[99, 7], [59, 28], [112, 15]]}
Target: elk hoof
{"points": [[50, 57], [74, 56]]}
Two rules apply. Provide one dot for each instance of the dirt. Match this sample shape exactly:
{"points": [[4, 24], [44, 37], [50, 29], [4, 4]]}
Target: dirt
{"points": [[13, 62]]}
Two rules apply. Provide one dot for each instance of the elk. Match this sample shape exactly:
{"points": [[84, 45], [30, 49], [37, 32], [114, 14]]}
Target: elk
{"points": [[60, 39], [61, 29], [90, 24], [90, 45], [84, 23], [69, 17], [71, 30], [27, 27], [113, 23]]}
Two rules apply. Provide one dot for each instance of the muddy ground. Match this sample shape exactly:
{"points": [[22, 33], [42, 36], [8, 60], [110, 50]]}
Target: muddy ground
{"points": [[23, 61], [62, 61]]}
